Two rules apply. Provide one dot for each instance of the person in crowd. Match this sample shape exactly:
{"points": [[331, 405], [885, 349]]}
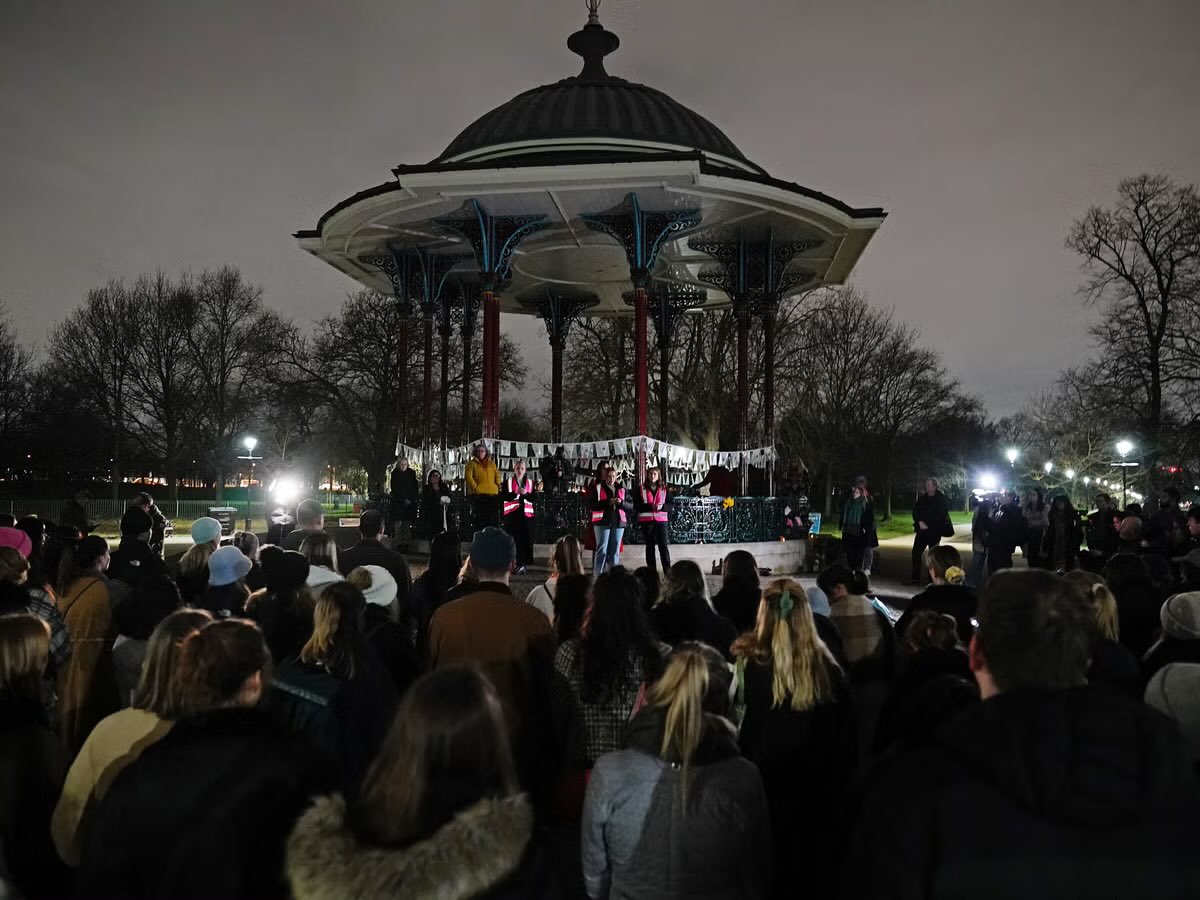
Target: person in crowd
{"points": [[134, 559], [799, 728], [119, 739], [933, 682], [981, 525], [653, 517], [1112, 665], [931, 523], [227, 591], [440, 813], [392, 630], [1175, 692], [947, 592], [858, 623], [435, 505], [336, 691], [158, 521], [1046, 786], [517, 513], [510, 640], [39, 575], [32, 762], [1167, 527], [599, 674], [247, 543], [192, 570], [87, 686], [1130, 535], [370, 551], [310, 520], [859, 535], [1010, 530], [151, 601], [558, 472], [205, 811], [873, 543], [1064, 535], [567, 559], [1191, 525], [740, 595], [284, 609], [37, 601], [1180, 638], [720, 482], [685, 612], [430, 589], [571, 606], [1139, 601], [482, 479], [322, 554], [651, 586], [1037, 520], [15, 539], [609, 518], [679, 813], [1101, 533], [75, 513], [405, 494]]}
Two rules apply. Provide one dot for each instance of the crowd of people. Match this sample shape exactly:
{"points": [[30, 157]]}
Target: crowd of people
{"points": [[308, 721]]}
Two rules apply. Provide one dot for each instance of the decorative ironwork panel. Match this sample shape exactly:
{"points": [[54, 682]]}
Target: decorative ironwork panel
{"points": [[748, 520], [465, 311], [642, 234], [748, 270], [699, 520], [557, 515], [397, 267], [431, 276], [668, 301], [559, 309], [492, 238]]}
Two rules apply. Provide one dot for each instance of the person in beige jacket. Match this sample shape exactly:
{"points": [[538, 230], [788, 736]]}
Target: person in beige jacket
{"points": [[121, 738]]}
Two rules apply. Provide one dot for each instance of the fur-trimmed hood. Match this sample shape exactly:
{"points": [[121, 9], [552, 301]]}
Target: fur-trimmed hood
{"points": [[477, 850]]}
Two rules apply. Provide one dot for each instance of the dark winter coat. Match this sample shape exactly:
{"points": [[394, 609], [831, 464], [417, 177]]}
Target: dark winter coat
{"points": [[1076, 793], [487, 851], [934, 512], [738, 604], [1115, 668], [807, 760], [1009, 531], [395, 644], [642, 840], [286, 620], [954, 600], [33, 765], [912, 711], [205, 811], [405, 489], [133, 562], [227, 600], [370, 552], [868, 534], [431, 509], [690, 618]]}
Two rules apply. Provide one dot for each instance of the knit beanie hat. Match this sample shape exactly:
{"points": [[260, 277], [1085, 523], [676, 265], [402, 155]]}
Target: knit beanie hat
{"points": [[1180, 616], [1175, 691], [492, 550], [17, 539], [205, 530], [383, 587], [283, 570], [227, 565], [136, 521]]}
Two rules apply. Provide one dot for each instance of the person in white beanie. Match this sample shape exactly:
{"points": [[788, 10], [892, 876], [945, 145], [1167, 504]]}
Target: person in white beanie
{"points": [[1180, 640], [390, 631], [192, 572], [1175, 691]]}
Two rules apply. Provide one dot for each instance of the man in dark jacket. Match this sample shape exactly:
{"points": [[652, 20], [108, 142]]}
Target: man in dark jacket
{"points": [[405, 492], [369, 551], [74, 513], [931, 522], [1048, 788], [1009, 530], [133, 561], [310, 519]]}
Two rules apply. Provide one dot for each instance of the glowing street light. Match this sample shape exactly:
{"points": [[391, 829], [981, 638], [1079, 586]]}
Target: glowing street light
{"points": [[1049, 467], [988, 481], [1070, 473], [251, 443], [1011, 455], [1087, 480], [1124, 448]]}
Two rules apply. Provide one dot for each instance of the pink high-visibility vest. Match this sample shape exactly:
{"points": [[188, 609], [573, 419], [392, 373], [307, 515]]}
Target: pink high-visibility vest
{"points": [[656, 506], [598, 514], [521, 490]]}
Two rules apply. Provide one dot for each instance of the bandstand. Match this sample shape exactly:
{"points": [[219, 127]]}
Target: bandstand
{"points": [[590, 196]]}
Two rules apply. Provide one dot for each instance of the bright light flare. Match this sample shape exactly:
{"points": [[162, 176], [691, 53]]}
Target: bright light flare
{"points": [[988, 481], [285, 490], [250, 443], [1070, 473], [1124, 448]]}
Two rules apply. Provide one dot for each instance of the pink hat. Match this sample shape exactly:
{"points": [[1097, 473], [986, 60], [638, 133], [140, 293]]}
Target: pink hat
{"points": [[17, 539]]}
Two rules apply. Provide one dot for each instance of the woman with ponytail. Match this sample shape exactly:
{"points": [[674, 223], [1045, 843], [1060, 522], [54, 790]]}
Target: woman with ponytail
{"points": [[205, 811], [679, 813], [800, 729], [87, 684], [947, 594]]}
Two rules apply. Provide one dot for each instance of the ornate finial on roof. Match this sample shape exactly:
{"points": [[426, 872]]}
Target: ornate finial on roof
{"points": [[593, 42]]}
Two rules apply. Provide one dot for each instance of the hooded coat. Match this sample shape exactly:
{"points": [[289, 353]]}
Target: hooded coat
{"points": [[486, 851], [1073, 793]]}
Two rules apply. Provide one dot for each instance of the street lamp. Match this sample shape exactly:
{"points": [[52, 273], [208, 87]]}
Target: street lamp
{"points": [[250, 442], [1124, 448], [1049, 467], [1011, 455], [1070, 473]]}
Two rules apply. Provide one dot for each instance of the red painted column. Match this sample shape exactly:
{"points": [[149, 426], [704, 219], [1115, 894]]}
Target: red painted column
{"points": [[769, 311], [640, 371], [741, 311]]}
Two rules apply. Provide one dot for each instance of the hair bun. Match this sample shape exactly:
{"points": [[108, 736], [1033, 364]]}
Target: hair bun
{"points": [[955, 575]]}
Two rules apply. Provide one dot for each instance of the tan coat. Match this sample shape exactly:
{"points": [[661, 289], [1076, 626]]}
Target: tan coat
{"points": [[87, 684]]}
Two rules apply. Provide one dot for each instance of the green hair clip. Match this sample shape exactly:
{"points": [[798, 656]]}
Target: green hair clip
{"points": [[786, 603]]}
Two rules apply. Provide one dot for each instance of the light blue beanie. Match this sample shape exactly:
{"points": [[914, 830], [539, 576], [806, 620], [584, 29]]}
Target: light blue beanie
{"points": [[205, 530]]}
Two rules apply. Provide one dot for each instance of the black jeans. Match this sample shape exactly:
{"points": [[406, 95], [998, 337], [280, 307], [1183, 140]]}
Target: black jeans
{"points": [[485, 509], [853, 546], [655, 535], [521, 527], [921, 541]]}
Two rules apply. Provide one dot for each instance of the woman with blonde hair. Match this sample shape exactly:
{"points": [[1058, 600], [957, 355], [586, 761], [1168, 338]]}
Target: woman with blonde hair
{"points": [[192, 572], [567, 559], [679, 813], [799, 728], [1113, 665], [947, 593], [121, 738]]}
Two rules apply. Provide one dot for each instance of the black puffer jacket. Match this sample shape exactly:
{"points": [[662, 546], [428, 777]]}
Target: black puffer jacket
{"points": [[690, 618], [1077, 793]]}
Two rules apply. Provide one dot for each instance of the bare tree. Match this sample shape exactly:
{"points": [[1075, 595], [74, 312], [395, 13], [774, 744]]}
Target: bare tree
{"points": [[16, 375]]}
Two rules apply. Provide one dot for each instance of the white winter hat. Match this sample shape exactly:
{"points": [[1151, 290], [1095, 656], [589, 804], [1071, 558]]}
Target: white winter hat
{"points": [[383, 589]]}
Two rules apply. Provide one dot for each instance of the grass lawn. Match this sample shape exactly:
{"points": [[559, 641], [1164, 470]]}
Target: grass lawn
{"points": [[899, 525], [111, 528]]}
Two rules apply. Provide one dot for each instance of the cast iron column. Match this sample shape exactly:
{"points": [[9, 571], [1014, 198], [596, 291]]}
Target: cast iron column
{"points": [[559, 310], [444, 334], [741, 312], [641, 387], [770, 308]]}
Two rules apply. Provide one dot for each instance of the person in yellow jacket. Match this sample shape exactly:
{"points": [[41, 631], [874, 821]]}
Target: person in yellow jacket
{"points": [[482, 476]]}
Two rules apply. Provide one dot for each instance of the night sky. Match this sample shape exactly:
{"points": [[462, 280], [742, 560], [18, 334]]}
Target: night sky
{"points": [[182, 134]]}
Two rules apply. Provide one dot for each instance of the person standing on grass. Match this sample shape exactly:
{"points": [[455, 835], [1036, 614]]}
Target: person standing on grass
{"points": [[931, 522], [858, 527]]}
